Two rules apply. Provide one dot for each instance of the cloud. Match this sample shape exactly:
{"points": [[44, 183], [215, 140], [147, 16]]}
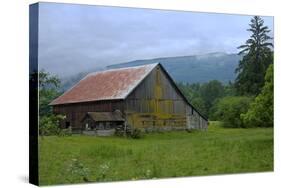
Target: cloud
{"points": [[74, 38]]}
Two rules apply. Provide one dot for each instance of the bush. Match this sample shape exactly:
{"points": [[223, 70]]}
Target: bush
{"points": [[229, 110], [49, 125], [136, 133], [119, 130], [65, 132]]}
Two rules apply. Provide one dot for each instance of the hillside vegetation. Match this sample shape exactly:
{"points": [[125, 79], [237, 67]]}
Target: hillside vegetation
{"points": [[191, 69], [196, 68]]}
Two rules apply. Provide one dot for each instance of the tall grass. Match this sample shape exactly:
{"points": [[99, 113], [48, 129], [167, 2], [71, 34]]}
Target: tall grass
{"points": [[157, 155]]}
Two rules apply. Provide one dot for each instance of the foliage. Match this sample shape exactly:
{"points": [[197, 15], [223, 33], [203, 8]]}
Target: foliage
{"points": [[49, 125], [170, 154], [136, 133], [228, 110], [257, 57], [65, 132], [229, 89], [260, 112], [200, 104], [48, 90], [78, 170], [119, 131], [210, 92], [204, 96]]}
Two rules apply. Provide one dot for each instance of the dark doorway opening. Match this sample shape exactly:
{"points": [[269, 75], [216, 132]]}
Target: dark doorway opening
{"points": [[67, 124]]}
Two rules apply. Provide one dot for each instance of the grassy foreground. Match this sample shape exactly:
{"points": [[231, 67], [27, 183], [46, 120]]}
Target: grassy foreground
{"points": [[78, 159]]}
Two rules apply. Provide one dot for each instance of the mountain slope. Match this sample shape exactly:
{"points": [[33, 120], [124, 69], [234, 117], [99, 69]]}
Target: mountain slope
{"points": [[201, 68], [191, 69]]}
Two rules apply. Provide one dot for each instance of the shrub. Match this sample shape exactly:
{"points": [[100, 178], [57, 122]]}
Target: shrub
{"points": [[65, 132], [49, 125], [136, 133], [229, 109], [119, 131]]}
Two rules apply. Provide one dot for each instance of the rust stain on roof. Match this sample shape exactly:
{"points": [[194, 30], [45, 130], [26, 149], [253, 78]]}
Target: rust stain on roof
{"points": [[105, 85]]}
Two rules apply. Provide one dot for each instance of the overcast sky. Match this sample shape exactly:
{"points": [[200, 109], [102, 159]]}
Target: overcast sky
{"points": [[75, 38]]}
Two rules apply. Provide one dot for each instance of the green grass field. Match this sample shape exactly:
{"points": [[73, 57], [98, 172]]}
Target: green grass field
{"points": [[78, 159]]}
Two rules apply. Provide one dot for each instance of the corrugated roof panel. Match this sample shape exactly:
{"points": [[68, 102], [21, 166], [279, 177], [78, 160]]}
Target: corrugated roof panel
{"points": [[105, 85]]}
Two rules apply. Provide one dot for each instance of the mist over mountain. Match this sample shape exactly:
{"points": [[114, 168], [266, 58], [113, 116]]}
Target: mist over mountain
{"points": [[197, 68]]}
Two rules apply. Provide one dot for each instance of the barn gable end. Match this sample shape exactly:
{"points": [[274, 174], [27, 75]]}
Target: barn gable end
{"points": [[157, 102]]}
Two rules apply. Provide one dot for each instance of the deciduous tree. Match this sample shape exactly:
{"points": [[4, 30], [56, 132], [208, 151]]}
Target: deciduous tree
{"points": [[260, 112]]}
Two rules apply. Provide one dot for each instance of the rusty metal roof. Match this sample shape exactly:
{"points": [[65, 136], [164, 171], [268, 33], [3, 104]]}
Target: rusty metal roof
{"points": [[106, 116], [105, 85]]}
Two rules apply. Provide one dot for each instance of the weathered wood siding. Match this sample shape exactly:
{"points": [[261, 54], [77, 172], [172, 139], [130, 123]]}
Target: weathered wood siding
{"points": [[76, 111], [156, 103], [195, 120]]}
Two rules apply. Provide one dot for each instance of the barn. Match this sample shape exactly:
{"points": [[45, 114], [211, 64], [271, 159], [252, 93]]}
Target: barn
{"points": [[144, 97]]}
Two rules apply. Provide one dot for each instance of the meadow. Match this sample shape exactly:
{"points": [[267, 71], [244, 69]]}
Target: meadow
{"points": [[79, 158]]}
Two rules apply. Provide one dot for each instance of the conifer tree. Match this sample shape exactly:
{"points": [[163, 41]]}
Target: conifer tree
{"points": [[257, 56]]}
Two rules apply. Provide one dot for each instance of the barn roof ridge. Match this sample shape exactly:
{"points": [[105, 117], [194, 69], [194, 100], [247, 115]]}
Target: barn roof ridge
{"points": [[122, 68]]}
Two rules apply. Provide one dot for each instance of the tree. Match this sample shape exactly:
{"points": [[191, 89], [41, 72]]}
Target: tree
{"points": [[228, 110], [260, 112], [48, 90], [229, 89], [192, 93], [204, 96], [210, 92], [199, 104], [257, 56]]}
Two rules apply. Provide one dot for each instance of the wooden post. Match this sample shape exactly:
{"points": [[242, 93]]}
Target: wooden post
{"points": [[125, 128]]}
